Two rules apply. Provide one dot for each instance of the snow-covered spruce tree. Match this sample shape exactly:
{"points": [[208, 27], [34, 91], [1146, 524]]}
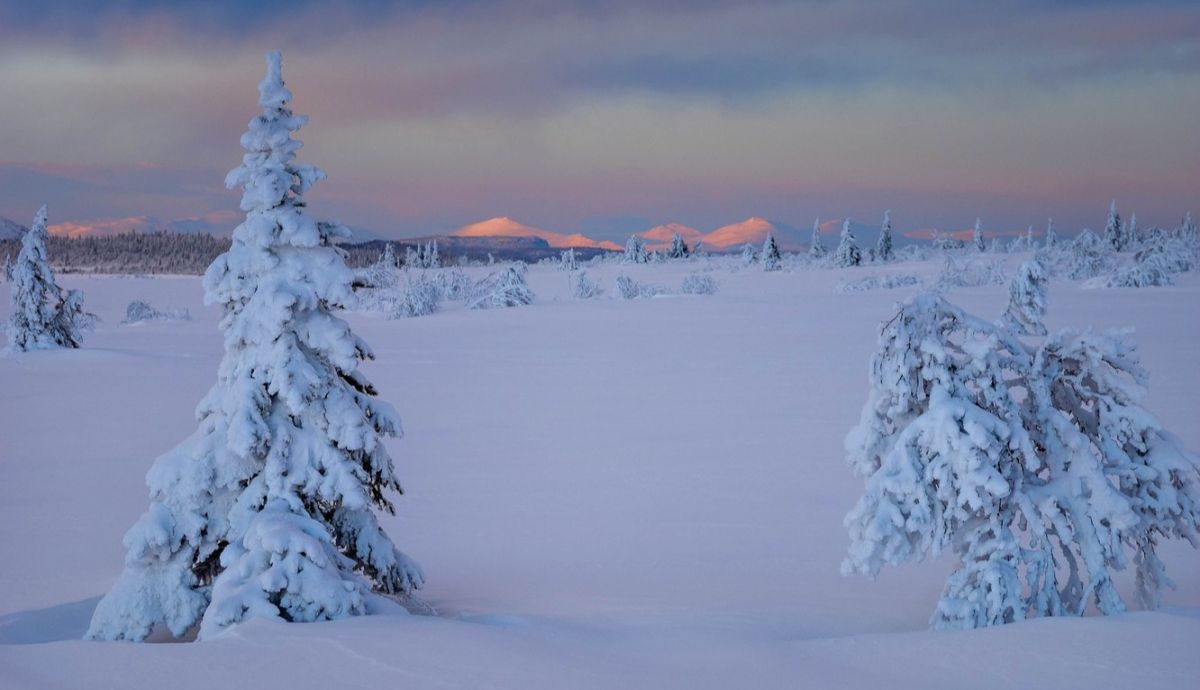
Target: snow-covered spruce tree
{"points": [[1026, 301], [1037, 465], [635, 251], [816, 248], [412, 259], [267, 509], [432, 260], [977, 237], [884, 251], [848, 253], [1129, 234], [43, 316], [770, 254], [1113, 230], [679, 248]]}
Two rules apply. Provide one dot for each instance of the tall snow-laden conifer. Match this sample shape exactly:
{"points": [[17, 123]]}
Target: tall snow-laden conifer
{"points": [[267, 510], [770, 254], [977, 236], [884, 251], [1113, 234], [1051, 235], [848, 253], [816, 248], [43, 315], [679, 248], [635, 251]]}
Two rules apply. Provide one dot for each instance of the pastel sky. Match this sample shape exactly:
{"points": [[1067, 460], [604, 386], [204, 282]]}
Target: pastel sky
{"points": [[609, 117]]}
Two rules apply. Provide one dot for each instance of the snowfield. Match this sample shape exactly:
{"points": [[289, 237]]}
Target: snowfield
{"points": [[607, 493]]}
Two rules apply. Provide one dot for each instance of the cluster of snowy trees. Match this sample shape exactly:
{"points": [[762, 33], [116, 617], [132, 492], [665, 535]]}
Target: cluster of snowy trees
{"points": [[44, 316], [422, 255], [130, 252], [1035, 463], [267, 510]]}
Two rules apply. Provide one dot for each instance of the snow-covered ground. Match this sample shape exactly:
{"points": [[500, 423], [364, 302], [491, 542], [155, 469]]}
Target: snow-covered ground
{"points": [[602, 493]]}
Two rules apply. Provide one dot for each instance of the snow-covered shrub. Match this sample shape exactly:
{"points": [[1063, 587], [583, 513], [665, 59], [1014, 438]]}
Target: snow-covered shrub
{"points": [[969, 272], [585, 287], [1088, 257], [847, 254], [943, 242], [505, 288], [1161, 255], [770, 254], [43, 315], [139, 311], [1037, 465], [454, 285], [382, 273], [635, 251], [914, 252], [697, 284], [878, 283], [267, 510], [420, 298], [628, 288]]}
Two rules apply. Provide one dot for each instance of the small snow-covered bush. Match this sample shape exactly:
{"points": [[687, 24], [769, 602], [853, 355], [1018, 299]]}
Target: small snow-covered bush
{"points": [[888, 282], [969, 272], [454, 285], [628, 288], [1161, 255], [505, 288], [1037, 465], [586, 288], [140, 310], [1088, 257], [696, 284], [420, 298]]}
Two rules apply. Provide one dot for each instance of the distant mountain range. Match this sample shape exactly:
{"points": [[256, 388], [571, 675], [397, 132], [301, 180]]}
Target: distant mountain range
{"points": [[494, 235], [11, 230]]}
